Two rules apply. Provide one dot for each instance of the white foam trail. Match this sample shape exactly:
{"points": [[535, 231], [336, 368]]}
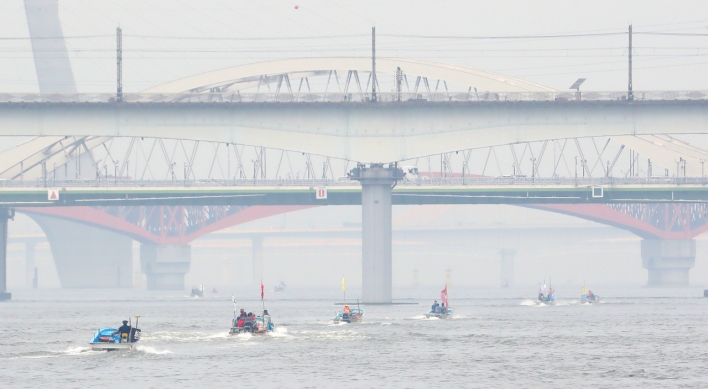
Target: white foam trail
{"points": [[244, 336], [418, 317], [528, 303], [77, 350], [280, 329], [151, 350]]}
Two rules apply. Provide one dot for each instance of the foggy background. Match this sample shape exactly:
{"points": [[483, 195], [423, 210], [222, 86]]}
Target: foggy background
{"points": [[170, 39]]}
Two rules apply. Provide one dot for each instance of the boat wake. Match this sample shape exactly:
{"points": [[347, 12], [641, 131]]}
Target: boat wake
{"points": [[71, 351], [151, 350], [278, 332], [329, 335]]}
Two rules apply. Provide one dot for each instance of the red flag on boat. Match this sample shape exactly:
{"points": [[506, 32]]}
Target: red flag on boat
{"points": [[443, 295], [262, 290]]}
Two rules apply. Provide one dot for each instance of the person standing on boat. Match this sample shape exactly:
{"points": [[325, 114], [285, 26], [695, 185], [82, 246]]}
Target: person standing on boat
{"points": [[443, 310], [435, 306], [266, 320], [124, 329]]}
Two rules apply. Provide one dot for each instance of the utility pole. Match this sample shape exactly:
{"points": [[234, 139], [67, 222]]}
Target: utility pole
{"points": [[119, 64], [399, 79], [373, 63], [630, 94]]}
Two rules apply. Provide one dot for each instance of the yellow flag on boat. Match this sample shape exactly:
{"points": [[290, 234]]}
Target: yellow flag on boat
{"points": [[584, 289], [344, 285]]}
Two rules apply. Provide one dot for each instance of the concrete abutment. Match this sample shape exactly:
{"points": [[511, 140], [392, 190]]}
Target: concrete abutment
{"points": [[165, 265], [668, 261]]}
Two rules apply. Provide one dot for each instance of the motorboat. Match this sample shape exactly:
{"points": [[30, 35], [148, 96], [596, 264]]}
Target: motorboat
{"points": [[254, 325], [548, 299], [279, 288], [440, 314], [590, 299], [589, 296], [106, 339], [353, 316], [443, 311], [197, 291]]}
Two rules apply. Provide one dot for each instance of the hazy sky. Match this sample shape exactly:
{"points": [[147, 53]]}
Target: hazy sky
{"points": [[170, 39]]}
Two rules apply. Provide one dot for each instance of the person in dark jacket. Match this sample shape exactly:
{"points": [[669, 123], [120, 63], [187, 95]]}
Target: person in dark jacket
{"points": [[124, 329]]}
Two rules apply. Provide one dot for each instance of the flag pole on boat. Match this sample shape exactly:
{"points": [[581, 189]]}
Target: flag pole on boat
{"points": [[233, 301], [344, 289], [262, 295]]}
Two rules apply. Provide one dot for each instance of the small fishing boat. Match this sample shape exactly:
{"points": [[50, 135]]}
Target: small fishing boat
{"points": [[589, 296], [349, 316], [279, 288], [546, 299], [248, 323], [252, 325], [197, 291], [442, 311], [440, 314], [110, 339]]}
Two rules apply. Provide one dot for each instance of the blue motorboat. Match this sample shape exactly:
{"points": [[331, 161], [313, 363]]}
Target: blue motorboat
{"points": [[440, 313], [109, 339], [589, 297], [349, 316]]}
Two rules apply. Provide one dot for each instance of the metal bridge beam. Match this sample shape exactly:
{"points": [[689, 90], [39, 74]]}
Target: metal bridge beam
{"points": [[364, 132]]}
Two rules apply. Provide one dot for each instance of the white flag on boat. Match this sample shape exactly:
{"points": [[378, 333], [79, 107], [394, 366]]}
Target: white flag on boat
{"points": [[233, 300]]}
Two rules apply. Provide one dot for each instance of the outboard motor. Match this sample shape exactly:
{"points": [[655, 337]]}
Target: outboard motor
{"points": [[134, 335]]}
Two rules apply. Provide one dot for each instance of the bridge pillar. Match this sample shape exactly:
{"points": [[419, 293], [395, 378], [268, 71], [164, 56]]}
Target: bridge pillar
{"points": [[86, 256], [377, 182], [5, 215], [668, 260], [257, 258], [165, 265], [30, 268], [507, 267]]}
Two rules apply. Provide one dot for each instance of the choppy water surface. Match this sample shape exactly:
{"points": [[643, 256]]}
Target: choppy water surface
{"points": [[636, 338]]}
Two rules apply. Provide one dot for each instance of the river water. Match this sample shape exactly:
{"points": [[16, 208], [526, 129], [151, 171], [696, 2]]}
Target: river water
{"points": [[498, 338]]}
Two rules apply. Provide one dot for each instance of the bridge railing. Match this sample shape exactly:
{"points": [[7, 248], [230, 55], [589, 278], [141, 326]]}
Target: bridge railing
{"points": [[312, 183], [286, 97]]}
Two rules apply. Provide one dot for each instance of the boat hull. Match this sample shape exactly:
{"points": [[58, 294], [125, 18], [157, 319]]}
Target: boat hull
{"points": [[356, 316], [107, 346], [447, 315], [585, 299]]}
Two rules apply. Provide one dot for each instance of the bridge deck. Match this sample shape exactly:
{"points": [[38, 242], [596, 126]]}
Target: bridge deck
{"points": [[351, 195]]}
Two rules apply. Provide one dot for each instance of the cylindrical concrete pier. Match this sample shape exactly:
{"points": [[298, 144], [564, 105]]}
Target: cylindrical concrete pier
{"points": [[376, 262]]}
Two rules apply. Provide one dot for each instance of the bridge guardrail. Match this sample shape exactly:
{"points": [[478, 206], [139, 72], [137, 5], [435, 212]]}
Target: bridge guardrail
{"points": [[288, 97], [312, 183]]}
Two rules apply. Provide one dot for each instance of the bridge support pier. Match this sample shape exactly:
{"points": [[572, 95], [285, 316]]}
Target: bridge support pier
{"points": [[165, 265], [377, 182], [668, 261], [5, 215], [86, 256], [30, 268], [507, 267]]}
